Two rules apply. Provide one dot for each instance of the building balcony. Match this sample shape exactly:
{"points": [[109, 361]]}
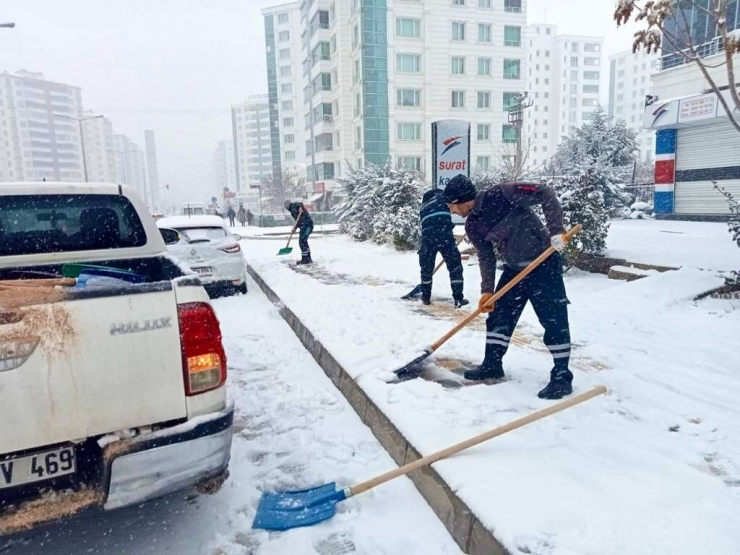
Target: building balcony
{"points": [[677, 59]]}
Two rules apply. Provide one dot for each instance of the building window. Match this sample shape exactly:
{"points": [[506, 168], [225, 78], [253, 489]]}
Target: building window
{"points": [[285, 53], [458, 99], [283, 36], [591, 89], [484, 99], [285, 71], [574, 75], [574, 89], [458, 65], [290, 138], [574, 61], [484, 3], [288, 122], [358, 138], [590, 101], [287, 105], [408, 63], [458, 2], [283, 18], [588, 116], [591, 47], [484, 131], [322, 51], [484, 66], [408, 97], [483, 162], [358, 104], [356, 36], [410, 163], [408, 131], [512, 36], [591, 75], [458, 30], [286, 88], [485, 33], [289, 155], [512, 69], [407, 27], [508, 134], [514, 6], [591, 61]]}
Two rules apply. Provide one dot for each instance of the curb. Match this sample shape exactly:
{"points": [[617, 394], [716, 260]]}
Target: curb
{"points": [[464, 527]]}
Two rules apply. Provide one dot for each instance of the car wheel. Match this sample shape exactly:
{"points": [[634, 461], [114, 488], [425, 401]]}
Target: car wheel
{"points": [[243, 288]]}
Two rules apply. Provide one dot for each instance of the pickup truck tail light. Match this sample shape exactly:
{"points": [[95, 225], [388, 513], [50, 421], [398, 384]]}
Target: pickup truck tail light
{"points": [[232, 249], [203, 356]]}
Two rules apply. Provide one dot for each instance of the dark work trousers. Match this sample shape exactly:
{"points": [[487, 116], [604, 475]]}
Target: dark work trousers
{"points": [[545, 289], [443, 242], [303, 241]]}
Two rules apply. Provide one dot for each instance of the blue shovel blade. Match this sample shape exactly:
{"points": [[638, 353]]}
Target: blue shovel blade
{"points": [[293, 509]]}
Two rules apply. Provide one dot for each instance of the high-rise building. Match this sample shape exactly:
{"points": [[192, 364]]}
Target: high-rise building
{"points": [[39, 139], [130, 165], [374, 78], [253, 160], [99, 159], [629, 83], [223, 166], [152, 171], [564, 83]]}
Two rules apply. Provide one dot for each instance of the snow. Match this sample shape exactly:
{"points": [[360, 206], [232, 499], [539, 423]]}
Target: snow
{"points": [[673, 243], [640, 206], [279, 231], [180, 222], [633, 270], [292, 429], [650, 468]]}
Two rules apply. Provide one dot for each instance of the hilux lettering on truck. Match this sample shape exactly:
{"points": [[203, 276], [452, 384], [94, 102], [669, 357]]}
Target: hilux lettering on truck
{"points": [[136, 327]]}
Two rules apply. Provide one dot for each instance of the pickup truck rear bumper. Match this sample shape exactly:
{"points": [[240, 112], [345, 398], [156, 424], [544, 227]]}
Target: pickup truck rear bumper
{"points": [[169, 460]]}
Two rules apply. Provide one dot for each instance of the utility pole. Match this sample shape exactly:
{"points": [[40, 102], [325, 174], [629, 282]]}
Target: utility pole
{"points": [[123, 160], [82, 137], [7, 25], [516, 118]]}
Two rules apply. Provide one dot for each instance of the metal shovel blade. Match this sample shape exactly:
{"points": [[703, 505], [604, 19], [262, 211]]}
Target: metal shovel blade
{"points": [[413, 368], [415, 292], [294, 509], [285, 250]]}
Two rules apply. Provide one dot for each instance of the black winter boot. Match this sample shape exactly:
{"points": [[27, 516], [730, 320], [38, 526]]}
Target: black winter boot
{"points": [[459, 303], [305, 260], [560, 384], [486, 371], [426, 299]]}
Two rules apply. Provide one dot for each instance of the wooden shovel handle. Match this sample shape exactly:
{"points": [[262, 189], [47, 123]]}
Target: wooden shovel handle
{"points": [[505, 289], [50, 282], [439, 455], [441, 262], [295, 225]]}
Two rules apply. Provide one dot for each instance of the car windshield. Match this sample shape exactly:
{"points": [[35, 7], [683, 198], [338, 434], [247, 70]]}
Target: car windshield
{"points": [[35, 224], [210, 233]]}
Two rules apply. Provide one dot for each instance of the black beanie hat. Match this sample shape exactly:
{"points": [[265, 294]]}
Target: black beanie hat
{"points": [[460, 189]]}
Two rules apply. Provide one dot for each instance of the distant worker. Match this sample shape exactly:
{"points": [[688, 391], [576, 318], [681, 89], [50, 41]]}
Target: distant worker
{"points": [[305, 225], [232, 215], [242, 215], [437, 237], [503, 216], [250, 217]]}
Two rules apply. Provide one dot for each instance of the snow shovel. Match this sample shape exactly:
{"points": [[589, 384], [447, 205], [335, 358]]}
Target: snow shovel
{"points": [[411, 369], [416, 291], [288, 249], [293, 509]]}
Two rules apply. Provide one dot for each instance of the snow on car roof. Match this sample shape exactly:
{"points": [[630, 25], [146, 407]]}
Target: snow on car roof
{"points": [[179, 222]]}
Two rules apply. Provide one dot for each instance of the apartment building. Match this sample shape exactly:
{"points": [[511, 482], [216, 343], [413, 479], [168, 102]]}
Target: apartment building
{"points": [[629, 82], [130, 165], [100, 161], [564, 78], [224, 167], [376, 74], [152, 171], [252, 139], [39, 135]]}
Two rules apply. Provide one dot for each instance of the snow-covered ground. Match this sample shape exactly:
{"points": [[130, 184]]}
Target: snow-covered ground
{"points": [[672, 243], [278, 231], [654, 467], [293, 429]]}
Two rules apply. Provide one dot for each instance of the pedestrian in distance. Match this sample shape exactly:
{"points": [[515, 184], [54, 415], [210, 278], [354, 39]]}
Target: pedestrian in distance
{"points": [[232, 215], [241, 215], [503, 216], [437, 237], [304, 223], [250, 217]]}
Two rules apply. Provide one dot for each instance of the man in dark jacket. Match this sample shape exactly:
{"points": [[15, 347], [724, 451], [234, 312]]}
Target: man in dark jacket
{"points": [[437, 236], [502, 216], [305, 226]]}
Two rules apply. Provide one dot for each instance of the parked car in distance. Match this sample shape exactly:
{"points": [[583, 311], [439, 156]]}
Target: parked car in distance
{"points": [[113, 383], [193, 209], [208, 247]]}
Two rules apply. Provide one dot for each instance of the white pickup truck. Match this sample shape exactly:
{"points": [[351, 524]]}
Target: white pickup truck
{"points": [[112, 391]]}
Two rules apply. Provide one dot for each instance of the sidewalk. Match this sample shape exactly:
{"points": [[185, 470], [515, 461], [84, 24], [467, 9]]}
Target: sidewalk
{"points": [[652, 468]]}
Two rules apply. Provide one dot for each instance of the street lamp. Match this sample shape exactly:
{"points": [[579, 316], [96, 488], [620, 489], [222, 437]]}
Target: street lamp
{"points": [[82, 137], [7, 25], [123, 160]]}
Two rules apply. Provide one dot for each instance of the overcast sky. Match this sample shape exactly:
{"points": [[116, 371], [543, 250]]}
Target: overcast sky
{"points": [[176, 66]]}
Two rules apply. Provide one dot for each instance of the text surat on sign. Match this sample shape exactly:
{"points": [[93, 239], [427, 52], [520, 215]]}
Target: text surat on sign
{"points": [[460, 165]]}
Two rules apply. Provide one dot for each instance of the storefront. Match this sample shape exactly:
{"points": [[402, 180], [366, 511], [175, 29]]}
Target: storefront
{"points": [[696, 146]]}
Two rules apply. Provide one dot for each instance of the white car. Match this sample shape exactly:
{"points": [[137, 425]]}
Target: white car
{"points": [[209, 248]]}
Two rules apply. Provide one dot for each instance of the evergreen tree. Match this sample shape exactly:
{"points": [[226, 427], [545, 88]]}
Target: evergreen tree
{"points": [[733, 226], [583, 203]]}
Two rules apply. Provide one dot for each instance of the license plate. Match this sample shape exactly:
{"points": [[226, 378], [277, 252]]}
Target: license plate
{"points": [[203, 271], [36, 468]]}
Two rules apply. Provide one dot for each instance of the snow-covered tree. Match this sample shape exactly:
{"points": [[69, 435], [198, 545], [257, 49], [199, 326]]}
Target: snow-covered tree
{"points": [[583, 203], [382, 204], [279, 187], [733, 225], [609, 150]]}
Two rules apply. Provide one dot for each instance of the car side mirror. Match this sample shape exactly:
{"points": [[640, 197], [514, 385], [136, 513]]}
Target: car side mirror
{"points": [[170, 236], [236, 236]]}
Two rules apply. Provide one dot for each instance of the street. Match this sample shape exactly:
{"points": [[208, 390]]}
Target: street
{"points": [[293, 429]]}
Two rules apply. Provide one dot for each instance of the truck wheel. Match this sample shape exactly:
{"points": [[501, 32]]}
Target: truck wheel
{"points": [[243, 288]]}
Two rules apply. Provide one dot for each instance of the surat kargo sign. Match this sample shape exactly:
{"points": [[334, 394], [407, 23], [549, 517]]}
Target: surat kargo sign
{"points": [[450, 150]]}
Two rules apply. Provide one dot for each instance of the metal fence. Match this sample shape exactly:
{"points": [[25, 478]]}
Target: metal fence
{"points": [[641, 192]]}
